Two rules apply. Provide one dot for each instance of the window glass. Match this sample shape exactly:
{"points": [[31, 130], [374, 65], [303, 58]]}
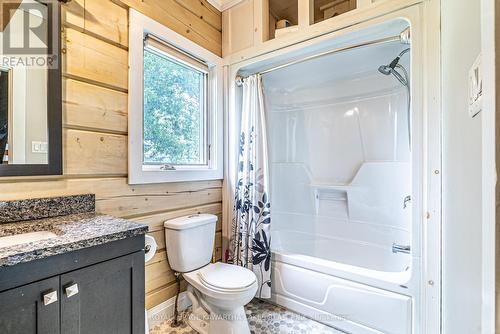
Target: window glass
{"points": [[175, 122]]}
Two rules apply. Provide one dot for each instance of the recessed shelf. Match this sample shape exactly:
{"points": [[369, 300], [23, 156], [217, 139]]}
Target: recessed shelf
{"points": [[283, 17], [288, 16], [326, 9]]}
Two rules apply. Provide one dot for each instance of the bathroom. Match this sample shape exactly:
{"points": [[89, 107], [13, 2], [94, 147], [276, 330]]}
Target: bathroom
{"points": [[247, 166]]}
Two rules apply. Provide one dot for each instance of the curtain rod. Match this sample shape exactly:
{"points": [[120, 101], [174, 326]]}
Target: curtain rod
{"points": [[403, 37]]}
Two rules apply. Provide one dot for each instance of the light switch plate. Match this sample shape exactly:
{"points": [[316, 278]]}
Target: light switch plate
{"points": [[39, 147], [475, 88]]}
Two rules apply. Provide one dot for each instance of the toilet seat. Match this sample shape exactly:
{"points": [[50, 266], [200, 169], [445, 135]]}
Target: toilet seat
{"points": [[222, 279], [226, 277]]}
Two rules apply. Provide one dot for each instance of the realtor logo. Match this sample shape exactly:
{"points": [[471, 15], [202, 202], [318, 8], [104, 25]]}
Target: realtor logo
{"points": [[27, 33]]}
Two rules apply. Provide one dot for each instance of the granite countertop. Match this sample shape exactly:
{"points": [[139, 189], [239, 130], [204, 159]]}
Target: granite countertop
{"points": [[73, 232]]}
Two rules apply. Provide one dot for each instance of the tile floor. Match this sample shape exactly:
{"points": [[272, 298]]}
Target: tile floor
{"points": [[263, 318]]}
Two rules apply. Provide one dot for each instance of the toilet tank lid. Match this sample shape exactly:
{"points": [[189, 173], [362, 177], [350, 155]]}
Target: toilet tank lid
{"points": [[190, 221]]}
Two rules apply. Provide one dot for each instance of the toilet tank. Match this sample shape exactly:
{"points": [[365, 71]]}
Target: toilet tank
{"points": [[190, 241]]}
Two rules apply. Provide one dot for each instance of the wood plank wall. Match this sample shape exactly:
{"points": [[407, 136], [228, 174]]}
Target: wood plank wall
{"points": [[95, 65]]}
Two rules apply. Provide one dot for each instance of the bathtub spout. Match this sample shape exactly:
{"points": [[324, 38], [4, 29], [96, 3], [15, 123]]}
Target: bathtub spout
{"points": [[400, 248]]}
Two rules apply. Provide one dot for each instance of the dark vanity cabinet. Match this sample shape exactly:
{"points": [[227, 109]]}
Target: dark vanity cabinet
{"points": [[22, 309], [108, 296], [99, 290]]}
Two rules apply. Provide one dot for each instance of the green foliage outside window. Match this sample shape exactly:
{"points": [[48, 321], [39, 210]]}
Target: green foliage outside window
{"points": [[173, 113]]}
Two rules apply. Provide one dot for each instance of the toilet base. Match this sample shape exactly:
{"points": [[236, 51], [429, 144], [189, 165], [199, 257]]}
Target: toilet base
{"points": [[218, 321], [199, 321]]}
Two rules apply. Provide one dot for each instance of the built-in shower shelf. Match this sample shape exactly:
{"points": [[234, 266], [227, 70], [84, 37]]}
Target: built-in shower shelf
{"points": [[329, 193], [326, 186]]}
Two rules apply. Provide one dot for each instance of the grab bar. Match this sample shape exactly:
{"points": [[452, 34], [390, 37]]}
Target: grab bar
{"points": [[401, 248]]}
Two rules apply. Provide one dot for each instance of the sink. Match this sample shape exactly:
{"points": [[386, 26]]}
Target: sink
{"points": [[25, 238]]}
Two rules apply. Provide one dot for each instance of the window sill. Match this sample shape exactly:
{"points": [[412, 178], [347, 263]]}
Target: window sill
{"points": [[157, 175]]}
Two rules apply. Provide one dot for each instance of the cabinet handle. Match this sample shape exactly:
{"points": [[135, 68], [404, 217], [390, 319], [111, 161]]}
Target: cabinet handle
{"points": [[49, 298], [71, 290]]}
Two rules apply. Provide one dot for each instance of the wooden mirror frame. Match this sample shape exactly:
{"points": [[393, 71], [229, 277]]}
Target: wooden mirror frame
{"points": [[54, 110]]}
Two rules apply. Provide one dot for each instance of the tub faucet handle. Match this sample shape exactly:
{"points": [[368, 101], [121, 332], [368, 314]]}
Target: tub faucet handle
{"points": [[406, 201]]}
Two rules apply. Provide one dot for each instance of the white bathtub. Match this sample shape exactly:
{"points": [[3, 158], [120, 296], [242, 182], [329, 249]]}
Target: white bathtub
{"points": [[356, 287]]}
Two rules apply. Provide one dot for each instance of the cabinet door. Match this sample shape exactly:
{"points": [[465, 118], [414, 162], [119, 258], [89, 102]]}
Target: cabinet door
{"points": [[106, 298], [31, 309]]}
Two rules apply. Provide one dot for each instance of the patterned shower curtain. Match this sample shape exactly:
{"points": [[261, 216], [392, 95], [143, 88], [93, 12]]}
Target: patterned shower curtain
{"points": [[250, 235]]}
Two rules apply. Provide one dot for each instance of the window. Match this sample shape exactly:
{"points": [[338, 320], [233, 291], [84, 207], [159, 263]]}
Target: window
{"points": [[175, 119], [175, 103]]}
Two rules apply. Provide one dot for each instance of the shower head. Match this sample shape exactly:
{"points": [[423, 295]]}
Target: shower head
{"points": [[385, 69], [389, 69]]}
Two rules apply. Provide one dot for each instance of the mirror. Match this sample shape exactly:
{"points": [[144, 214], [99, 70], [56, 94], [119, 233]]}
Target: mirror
{"points": [[23, 116], [30, 88]]}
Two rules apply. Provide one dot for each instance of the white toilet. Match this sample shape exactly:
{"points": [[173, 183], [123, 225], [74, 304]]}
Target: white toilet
{"points": [[218, 291]]}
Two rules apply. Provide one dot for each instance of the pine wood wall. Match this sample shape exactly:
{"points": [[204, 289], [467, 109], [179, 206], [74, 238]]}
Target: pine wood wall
{"points": [[95, 66]]}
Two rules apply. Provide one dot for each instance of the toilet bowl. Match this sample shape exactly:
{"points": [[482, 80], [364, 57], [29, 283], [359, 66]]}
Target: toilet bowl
{"points": [[218, 291]]}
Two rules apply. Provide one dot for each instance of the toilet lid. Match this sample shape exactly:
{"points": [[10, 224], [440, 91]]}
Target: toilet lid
{"points": [[226, 276]]}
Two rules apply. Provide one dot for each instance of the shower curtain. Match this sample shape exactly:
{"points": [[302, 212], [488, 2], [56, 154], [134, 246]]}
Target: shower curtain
{"points": [[250, 235]]}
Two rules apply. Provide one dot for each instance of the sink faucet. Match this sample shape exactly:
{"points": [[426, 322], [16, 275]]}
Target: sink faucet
{"points": [[401, 248]]}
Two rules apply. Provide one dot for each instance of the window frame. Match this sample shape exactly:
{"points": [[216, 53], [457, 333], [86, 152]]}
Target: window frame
{"points": [[140, 173]]}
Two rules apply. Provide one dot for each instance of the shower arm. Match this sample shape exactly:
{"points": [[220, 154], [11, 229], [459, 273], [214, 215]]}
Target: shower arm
{"points": [[403, 37]]}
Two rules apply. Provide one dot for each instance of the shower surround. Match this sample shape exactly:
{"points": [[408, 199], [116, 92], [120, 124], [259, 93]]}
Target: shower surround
{"points": [[349, 178], [341, 188]]}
